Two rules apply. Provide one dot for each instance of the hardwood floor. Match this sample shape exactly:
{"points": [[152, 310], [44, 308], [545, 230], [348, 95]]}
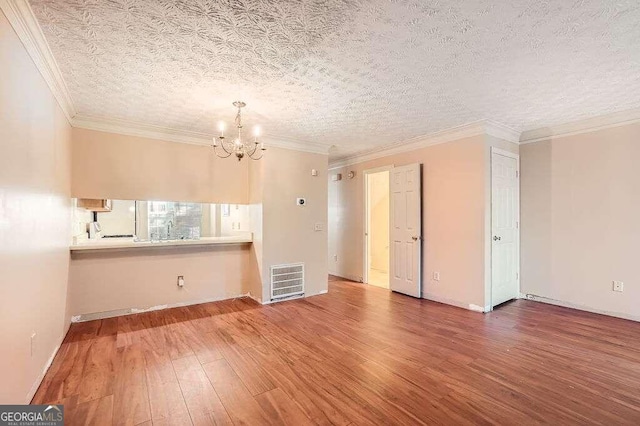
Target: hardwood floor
{"points": [[357, 355]]}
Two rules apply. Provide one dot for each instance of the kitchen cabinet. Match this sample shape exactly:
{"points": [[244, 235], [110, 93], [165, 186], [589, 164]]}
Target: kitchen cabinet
{"points": [[94, 205]]}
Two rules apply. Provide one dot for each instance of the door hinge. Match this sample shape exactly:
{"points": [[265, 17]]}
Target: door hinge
{"points": [[517, 224], [517, 173], [517, 276]]}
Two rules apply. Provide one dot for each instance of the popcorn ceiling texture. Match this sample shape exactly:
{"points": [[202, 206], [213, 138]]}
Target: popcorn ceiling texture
{"points": [[354, 74]]}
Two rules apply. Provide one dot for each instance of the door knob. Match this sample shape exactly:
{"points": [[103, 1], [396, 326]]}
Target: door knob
{"points": [[415, 238], [496, 238]]}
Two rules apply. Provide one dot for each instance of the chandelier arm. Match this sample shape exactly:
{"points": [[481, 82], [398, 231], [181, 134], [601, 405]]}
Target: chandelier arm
{"points": [[222, 144], [221, 156], [253, 151], [257, 158]]}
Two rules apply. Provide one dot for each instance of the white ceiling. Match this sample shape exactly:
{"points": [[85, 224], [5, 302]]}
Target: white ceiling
{"points": [[354, 74]]}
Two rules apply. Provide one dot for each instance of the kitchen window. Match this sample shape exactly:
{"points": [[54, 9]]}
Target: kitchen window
{"points": [[168, 220]]}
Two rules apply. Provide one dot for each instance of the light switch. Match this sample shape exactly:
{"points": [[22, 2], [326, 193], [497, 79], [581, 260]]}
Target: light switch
{"points": [[314, 172]]}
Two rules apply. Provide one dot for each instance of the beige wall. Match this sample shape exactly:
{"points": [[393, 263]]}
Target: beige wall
{"points": [[108, 165], [580, 228], [453, 219], [35, 220], [286, 230], [119, 281], [379, 221]]}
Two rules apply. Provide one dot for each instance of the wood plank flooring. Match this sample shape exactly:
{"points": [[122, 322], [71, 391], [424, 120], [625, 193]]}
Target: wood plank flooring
{"points": [[358, 355]]}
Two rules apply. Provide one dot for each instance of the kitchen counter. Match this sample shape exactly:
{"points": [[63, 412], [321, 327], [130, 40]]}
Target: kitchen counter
{"points": [[129, 243]]}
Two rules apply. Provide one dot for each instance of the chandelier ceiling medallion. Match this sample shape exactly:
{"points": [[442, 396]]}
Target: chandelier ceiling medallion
{"points": [[238, 147]]}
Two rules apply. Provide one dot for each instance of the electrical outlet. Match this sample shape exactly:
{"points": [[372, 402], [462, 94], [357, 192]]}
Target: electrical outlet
{"points": [[618, 286], [33, 343], [180, 280], [436, 276], [318, 227]]}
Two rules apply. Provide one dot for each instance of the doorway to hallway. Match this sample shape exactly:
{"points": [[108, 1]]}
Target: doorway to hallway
{"points": [[377, 227]]}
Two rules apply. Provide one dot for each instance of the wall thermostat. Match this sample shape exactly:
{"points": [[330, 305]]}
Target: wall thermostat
{"points": [[301, 201]]}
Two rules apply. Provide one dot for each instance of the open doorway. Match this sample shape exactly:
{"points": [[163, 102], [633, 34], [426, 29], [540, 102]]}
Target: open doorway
{"points": [[377, 227]]}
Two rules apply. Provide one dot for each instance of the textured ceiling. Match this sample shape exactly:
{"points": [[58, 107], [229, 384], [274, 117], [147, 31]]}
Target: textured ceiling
{"points": [[354, 74]]}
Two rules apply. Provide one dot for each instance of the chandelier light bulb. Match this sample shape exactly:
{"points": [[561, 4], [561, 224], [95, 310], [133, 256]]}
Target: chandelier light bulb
{"points": [[221, 127], [256, 131]]}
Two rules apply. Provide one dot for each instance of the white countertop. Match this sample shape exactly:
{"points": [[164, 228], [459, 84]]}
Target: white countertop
{"points": [[127, 243]]}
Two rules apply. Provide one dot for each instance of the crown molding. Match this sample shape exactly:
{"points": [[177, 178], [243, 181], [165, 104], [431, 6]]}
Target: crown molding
{"points": [[476, 128], [25, 24], [501, 131], [287, 143], [132, 128], [621, 118]]}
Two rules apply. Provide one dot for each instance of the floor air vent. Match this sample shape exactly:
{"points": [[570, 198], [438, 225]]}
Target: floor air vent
{"points": [[287, 281]]}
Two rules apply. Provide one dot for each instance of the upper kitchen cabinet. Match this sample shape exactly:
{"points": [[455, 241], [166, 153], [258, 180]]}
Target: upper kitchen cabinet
{"points": [[95, 205]]}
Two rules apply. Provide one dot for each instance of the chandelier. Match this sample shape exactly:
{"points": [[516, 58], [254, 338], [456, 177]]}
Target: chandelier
{"points": [[238, 147]]}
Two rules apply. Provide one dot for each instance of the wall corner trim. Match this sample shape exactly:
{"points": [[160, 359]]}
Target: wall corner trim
{"points": [[25, 24], [476, 128]]}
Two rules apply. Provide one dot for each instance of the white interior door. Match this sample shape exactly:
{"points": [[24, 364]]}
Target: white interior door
{"points": [[406, 230], [505, 217]]}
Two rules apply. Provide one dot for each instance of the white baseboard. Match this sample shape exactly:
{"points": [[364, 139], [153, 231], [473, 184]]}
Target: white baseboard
{"points": [[131, 311], [579, 307], [456, 303], [347, 276], [38, 382], [302, 296], [257, 299]]}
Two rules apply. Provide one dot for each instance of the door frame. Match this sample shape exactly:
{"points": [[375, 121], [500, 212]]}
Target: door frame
{"points": [[509, 154], [365, 234]]}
